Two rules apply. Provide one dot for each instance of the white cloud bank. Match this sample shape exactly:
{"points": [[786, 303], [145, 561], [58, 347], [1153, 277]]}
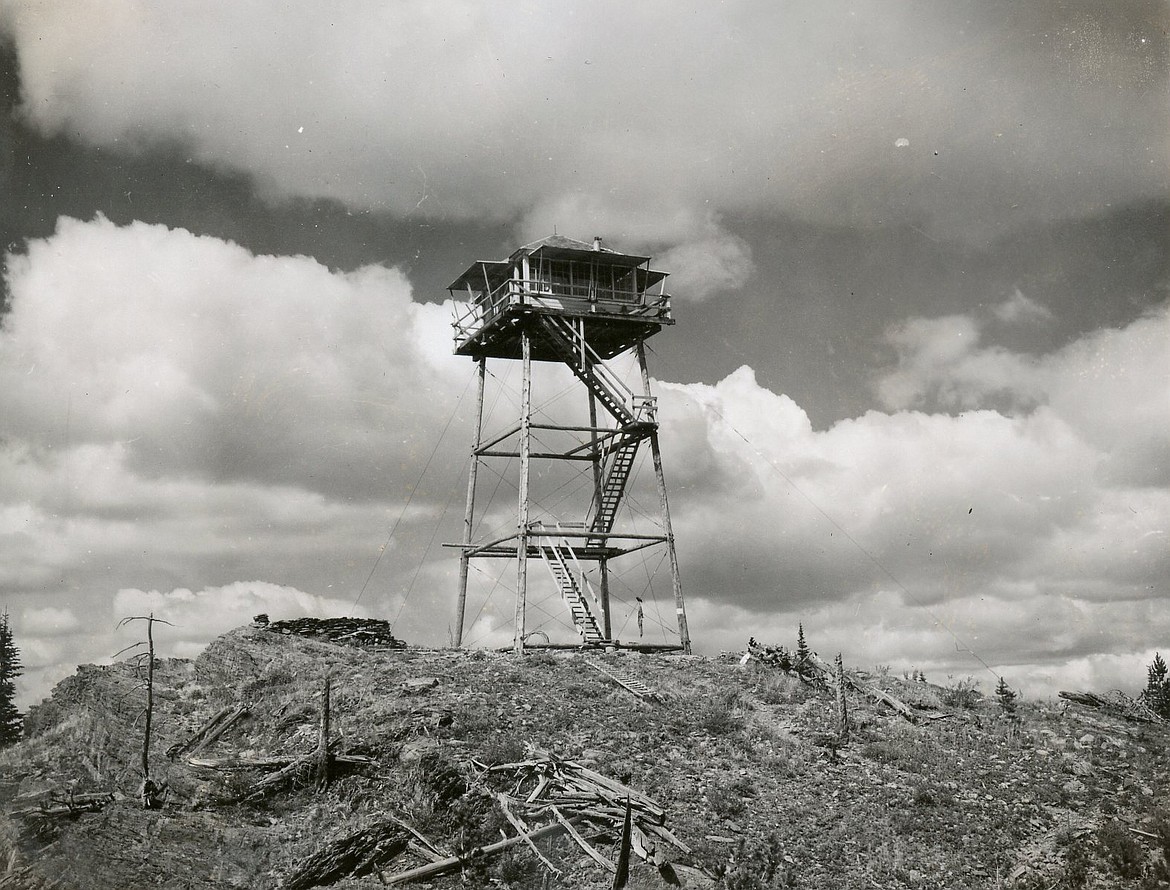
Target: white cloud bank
{"points": [[181, 415], [1035, 531]]}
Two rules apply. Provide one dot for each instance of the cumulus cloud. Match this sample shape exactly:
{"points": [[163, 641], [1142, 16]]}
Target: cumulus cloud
{"points": [[509, 113], [182, 414], [203, 360], [1035, 536], [1110, 385], [180, 411], [202, 615]]}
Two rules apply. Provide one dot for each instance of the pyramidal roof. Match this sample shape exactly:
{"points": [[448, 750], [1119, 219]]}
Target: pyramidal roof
{"points": [[561, 241], [560, 246], [550, 247]]}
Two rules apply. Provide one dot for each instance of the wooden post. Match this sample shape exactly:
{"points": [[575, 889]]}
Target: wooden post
{"points": [[323, 740], [149, 698], [676, 582], [522, 525], [469, 513], [842, 706]]}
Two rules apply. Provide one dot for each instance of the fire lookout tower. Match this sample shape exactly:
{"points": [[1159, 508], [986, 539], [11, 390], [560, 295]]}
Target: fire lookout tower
{"points": [[568, 303]]}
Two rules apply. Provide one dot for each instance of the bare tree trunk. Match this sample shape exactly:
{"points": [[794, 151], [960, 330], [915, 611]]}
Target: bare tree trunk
{"points": [[149, 697], [842, 706], [323, 740]]}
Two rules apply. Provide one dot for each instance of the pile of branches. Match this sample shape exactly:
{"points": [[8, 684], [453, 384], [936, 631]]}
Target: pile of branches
{"points": [[365, 632], [541, 798], [1116, 704], [589, 807]]}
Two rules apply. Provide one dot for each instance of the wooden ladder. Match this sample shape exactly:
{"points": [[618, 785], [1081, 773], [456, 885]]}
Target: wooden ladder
{"points": [[606, 506], [558, 565], [635, 686]]}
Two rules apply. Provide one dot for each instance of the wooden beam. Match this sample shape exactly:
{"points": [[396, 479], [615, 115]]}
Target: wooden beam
{"points": [[451, 863]]}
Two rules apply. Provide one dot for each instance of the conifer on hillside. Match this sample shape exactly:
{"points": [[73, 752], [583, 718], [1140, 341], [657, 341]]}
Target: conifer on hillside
{"points": [[1156, 695], [1006, 696], [803, 653], [11, 720]]}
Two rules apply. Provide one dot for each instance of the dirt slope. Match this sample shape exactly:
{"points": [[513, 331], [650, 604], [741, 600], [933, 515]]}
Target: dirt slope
{"points": [[743, 759]]}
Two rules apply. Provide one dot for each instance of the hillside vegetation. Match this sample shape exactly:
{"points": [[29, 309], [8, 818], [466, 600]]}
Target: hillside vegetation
{"points": [[746, 762]]}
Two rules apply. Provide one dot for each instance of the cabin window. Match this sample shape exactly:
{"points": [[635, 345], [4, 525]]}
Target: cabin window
{"points": [[624, 283], [586, 280]]}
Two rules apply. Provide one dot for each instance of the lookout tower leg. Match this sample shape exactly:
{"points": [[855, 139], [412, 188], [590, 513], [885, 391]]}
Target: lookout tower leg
{"points": [[522, 529], [675, 581], [469, 514]]}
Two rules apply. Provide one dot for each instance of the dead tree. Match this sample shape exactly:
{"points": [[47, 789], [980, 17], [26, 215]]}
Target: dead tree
{"points": [[323, 756], [842, 704], [150, 792]]}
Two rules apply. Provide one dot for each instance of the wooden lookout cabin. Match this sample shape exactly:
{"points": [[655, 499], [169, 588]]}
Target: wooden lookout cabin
{"points": [[577, 304]]}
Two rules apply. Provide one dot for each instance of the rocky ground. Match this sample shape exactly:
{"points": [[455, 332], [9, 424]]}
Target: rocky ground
{"points": [[745, 761]]}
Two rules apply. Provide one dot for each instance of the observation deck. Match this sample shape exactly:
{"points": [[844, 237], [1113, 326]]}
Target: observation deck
{"points": [[613, 300]]}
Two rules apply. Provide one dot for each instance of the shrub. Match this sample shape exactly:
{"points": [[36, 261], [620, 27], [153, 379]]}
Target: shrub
{"points": [[508, 749], [1076, 867], [777, 688], [1121, 850], [756, 865], [727, 798], [964, 694], [717, 713]]}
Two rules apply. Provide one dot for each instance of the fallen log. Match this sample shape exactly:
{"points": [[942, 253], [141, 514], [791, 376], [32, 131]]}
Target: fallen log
{"points": [[71, 806], [864, 688], [435, 852], [355, 855], [224, 720], [434, 869], [1118, 704], [231, 764]]}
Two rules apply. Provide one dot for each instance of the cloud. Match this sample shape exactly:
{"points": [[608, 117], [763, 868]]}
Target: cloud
{"points": [[458, 111], [49, 621], [1110, 384], [1019, 308], [182, 414], [200, 616], [1033, 535], [202, 360]]}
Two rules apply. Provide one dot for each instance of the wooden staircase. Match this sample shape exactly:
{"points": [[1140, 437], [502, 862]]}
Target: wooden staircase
{"points": [[605, 506], [585, 364], [557, 556]]}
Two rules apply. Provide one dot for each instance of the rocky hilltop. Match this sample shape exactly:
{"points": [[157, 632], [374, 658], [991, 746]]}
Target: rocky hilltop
{"points": [[280, 760]]}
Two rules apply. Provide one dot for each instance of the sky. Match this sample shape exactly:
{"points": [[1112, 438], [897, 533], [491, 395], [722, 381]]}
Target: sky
{"points": [[915, 400]]}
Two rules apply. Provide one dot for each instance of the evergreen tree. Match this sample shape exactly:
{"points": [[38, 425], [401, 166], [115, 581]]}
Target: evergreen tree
{"points": [[803, 655], [1006, 696], [11, 721], [1157, 692]]}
